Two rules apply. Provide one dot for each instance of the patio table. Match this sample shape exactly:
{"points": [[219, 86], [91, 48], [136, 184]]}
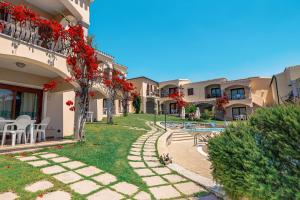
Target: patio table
{"points": [[32, 141]]}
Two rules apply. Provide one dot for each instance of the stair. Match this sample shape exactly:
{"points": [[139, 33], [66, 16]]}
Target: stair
{"points": [[180, 136]]}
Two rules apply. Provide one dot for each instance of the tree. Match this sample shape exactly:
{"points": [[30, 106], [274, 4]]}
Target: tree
{"points": [[178, 97], [126, 90], [136, 102], [221, 102], [114, 82], [81, 56], [259, 159]]}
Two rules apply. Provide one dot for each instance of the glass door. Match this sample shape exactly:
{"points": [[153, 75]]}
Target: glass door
{"points": [[6, 103]]}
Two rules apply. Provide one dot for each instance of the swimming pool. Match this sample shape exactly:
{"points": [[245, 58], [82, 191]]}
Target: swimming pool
{"points": [[205, 129]]}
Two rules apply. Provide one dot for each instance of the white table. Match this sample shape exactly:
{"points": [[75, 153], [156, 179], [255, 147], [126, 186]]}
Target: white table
{"points": [[32, 140]]}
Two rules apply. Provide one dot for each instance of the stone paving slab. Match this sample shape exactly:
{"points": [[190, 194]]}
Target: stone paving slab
{"points": [[40, 153], [150, 158], [105, 194], [39, 163], [153, 164], [60, 159], [135, 153], [105, 178], [154, 180], [188, 188], [137, 164], [149, 150], [125, 188], [173, 178], [162, 170], [134, 158], [73, 164], [61, 195], [49, 155], [8, 196], [147, 153], [89, 171], [142, 196], [84, 187], [28, 158], [136, 149], [53, 169], [38, 186], [164, 192], [68, 177], [144, 172]]}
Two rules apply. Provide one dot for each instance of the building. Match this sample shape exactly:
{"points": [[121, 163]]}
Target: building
{"points": [[245, 95], [149, 91], [27, 62], [285, 86]]}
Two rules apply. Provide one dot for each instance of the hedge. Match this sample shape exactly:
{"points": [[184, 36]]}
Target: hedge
{"points": [[260, 159]]}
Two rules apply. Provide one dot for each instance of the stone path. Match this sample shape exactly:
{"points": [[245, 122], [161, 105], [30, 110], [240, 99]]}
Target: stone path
{"points": [[94, 184], [163, 183], [89, 181]]}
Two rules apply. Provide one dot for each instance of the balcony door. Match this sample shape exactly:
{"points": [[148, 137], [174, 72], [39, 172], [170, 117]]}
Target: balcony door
{"points": [[16, 101], [238, 93], [238, 111]]}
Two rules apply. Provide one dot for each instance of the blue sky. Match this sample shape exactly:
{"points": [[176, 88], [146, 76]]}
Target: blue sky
{"points": [[199, 39]]}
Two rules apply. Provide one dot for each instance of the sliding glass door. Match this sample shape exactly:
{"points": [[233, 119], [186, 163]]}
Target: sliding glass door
{"points": [[16, 101]]}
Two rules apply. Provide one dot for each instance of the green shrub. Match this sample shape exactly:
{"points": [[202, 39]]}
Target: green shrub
{"points": [[190, 108], [137, 104], [260, 159], [207, 115]]}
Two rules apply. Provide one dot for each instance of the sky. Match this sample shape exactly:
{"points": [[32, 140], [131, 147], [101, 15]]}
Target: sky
{"points": [[198, 39]]}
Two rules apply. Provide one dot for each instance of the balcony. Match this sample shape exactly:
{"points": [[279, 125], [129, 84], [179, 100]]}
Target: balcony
{"points": [[210, 96], [31, 34], [152, 93], [237, 97]]}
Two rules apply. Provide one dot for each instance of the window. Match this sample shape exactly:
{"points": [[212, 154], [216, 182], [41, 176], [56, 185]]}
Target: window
{"points": [[173, 108], [15, 101], [215, 92], [238, 93], [190, 91], [105, 106], [238, 111], [172, 90]]}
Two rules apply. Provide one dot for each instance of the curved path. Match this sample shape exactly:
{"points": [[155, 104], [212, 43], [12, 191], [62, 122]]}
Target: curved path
{"points": [[163, 183]]}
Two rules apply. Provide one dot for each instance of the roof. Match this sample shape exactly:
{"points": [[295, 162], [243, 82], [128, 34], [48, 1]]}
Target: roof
{"points": [[143, 77]]}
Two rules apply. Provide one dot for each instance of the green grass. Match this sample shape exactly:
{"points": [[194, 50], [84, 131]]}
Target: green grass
{"points": [[15, 175], [106, 147]]}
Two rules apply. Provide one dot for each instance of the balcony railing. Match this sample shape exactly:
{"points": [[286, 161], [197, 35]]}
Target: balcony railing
{"points": [[152, 93], [29, 33], [237, 97], [208, 96]]}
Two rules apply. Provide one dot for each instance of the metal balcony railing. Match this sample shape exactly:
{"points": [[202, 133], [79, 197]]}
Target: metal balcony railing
{"points": [[29, 33]]}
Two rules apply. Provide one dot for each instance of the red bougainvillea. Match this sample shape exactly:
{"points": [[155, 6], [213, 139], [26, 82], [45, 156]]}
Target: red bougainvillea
{"points": [[50, 85], [221, 103], [179, 98]]}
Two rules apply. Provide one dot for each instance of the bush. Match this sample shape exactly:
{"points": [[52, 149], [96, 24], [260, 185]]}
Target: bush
{"points": [[207, 115], [137, 104], [190, 108], [260, 159]]}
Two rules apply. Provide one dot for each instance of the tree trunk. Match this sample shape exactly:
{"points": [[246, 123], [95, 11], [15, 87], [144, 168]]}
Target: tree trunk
{"points": [[110, 105], [125, 107]]}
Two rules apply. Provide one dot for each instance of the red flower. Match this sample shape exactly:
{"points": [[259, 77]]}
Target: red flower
{"points": [[72, 108], [41, 195], [69, 103], [50, 85], [92, 94]]}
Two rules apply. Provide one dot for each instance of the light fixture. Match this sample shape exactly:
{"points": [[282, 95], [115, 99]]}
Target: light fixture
{"points": [[20, 65]]}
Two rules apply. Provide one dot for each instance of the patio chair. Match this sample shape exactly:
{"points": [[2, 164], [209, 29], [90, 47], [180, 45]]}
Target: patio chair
{"points": [[1, 125], [40, 129], [24, 117], [16, 129]]}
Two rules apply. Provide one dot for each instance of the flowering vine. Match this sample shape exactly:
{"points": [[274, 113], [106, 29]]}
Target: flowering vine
{"points": [[81, 56], [179, 98]]}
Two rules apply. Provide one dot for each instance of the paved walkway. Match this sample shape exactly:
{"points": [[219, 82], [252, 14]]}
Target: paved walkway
{"points": [[83, 179], [163, 183], [95, 184]]}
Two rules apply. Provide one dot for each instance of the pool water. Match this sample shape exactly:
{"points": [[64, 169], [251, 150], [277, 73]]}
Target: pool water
{"points": [[205, 129]]}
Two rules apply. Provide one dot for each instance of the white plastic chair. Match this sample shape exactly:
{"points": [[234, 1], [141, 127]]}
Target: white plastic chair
{"points": [[1, 125], [16, 129], [40, 129]]}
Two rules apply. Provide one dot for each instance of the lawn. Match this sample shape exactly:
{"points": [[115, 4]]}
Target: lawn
{"points": [[106, 147]]}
